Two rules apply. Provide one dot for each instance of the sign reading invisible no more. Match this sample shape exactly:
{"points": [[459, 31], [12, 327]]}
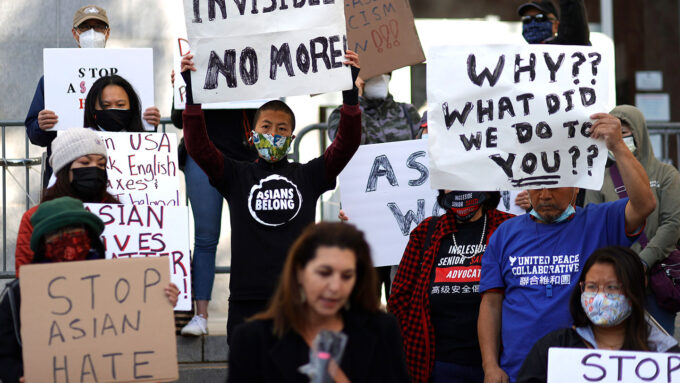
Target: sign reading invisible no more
{"points": [[248, 50], [516, 117]]}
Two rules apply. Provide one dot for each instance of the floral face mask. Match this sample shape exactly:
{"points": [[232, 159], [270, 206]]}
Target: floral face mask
{"points": [[604, 309], [271, 148]]}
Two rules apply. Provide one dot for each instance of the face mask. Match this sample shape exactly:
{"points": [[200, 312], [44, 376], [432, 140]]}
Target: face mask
{"points": [[92, 39], [89, 183], [630, 143], [113, 120], [68, 246], [563, 217], [271, 148], [377, 87], [537, 32], [605, 309], [424, 136], [464, 204]]}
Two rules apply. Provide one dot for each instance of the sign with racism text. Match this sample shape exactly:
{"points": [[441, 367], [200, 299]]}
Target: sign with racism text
{"points": [[134, 231], [576, 365], [97, 321], [248, 50], [384, 35], [70, 73], [385, 192], [143, 168], [505, 117]]}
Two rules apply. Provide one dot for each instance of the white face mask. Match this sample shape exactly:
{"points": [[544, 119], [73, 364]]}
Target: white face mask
{"points": [[630, 143], [377, 87], [92, 39]]}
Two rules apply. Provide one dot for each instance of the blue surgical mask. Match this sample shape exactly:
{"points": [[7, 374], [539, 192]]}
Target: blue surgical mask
{"points": [[424, 136], [563, 217], [537, 32]]}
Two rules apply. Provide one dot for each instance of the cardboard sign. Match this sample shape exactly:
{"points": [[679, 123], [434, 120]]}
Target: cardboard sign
{"points": [[245, 50], [385, 192], [181, 49], [143, 168], [573, 365], [384, 35], [133, 231], [97, 321], [504, 117], [70, 72]]}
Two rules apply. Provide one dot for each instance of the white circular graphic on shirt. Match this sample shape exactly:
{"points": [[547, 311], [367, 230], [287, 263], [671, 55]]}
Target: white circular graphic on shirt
{"points": [[274, 201]]}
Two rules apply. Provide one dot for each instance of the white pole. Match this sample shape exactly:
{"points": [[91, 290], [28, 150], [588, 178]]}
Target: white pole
{"points": [[607, 17]]}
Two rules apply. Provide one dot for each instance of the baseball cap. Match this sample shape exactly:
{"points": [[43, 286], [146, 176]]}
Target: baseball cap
{"points": [[90, 12], [545, 6]]}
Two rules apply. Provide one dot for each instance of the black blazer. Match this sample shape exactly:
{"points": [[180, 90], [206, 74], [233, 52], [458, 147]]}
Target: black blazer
{"points": [[374, 351]]}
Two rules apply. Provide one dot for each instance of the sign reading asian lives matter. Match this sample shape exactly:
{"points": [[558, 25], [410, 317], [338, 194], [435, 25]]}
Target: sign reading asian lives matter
{"points": [[385, 192], [249, 50], [97, 320], [70, 73], [134, 231], [519, 116], [576, 365]]}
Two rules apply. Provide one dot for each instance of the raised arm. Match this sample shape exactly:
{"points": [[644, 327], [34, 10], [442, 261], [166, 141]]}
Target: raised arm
{"points": [[641, 201], [489, 332], [196, 139], [348, 138]]}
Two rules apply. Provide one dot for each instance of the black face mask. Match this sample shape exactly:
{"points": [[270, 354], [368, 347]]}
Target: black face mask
{"points": [[89, 183], [113, 120]]}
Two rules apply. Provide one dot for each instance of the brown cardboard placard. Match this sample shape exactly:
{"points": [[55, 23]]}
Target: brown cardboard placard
{"points": [[384, 35], [100, 320]]}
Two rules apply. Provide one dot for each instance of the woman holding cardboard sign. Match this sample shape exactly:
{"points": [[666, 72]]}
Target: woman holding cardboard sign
{"points": [[608, 308], [327, 284]]}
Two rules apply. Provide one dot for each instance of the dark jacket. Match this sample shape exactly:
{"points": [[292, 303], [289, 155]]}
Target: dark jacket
{"points": [[373, 352], [11, 361], [535, 366], [36, 135]]}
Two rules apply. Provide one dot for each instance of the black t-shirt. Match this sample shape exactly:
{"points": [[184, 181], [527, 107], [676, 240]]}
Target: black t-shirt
{"points": [[269, 206], [454, 295]]}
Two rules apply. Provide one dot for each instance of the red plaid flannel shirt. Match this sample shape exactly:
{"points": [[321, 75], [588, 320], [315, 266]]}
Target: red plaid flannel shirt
{"points": [[409, 296]]}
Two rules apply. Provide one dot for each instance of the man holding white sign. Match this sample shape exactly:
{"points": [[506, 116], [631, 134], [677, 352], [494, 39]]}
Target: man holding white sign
{"points": [[270, 200], [90, 30]]}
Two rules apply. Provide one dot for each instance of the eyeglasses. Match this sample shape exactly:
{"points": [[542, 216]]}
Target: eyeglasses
{"points": [[97, 27], [540, 18], [609, 288]]}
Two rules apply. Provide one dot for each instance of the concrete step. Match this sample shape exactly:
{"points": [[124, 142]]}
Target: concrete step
{"points": [[202, 349], [202, 372]]}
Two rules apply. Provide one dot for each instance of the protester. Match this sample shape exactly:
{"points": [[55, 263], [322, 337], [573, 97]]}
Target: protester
{"points": [[542, 25], [435, 308], [63, 231], [228, 130], [532, 261], [608, 310], [382, 120], [663, 226], [112, 105], [270, 200], [90, 30], [327, 283], [79, 160]]}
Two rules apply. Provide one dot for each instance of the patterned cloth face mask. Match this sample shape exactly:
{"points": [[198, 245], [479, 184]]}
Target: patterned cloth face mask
{"points": [[68, 245], [605, 309], [271, 148]]}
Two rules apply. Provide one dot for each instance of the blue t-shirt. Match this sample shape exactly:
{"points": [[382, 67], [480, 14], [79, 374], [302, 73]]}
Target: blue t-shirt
{"points": [[538, 266]]}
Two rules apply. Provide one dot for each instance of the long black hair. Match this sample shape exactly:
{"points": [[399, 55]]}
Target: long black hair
{"points": [[631, 274], [94, 97]]}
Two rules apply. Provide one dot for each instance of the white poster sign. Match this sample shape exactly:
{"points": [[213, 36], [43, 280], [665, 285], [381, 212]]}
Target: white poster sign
{"points": [[506, 117], [508, 204], [248, 51], [385, 192], [70, 72], [133, 231], [143, 168], [574, 365]]}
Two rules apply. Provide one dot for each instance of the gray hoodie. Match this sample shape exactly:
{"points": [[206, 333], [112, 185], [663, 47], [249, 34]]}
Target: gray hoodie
{"points": [[663, 225]]}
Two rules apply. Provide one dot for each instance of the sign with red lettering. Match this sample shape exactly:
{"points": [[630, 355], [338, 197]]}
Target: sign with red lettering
{"points": [[384, 35], [97, 321], [134, 231], [70, 73], [143, 168]]}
